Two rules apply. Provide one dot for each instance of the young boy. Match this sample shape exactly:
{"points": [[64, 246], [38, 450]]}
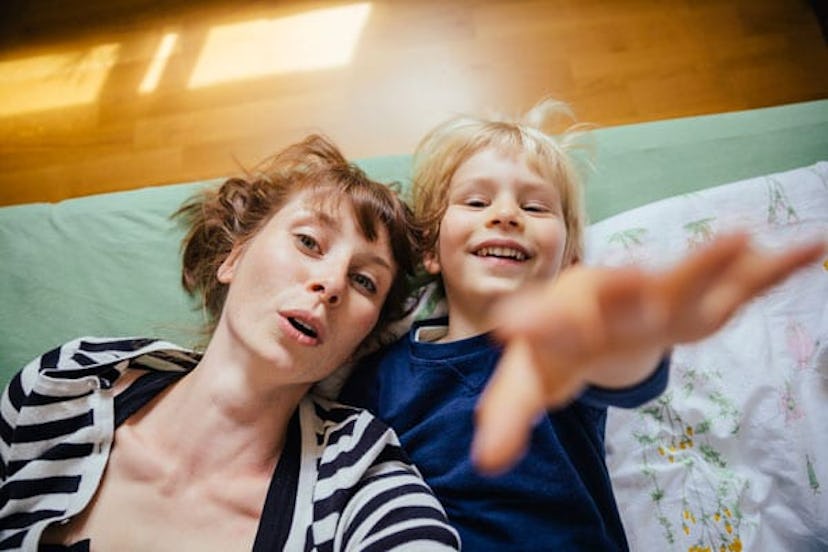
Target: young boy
{"points": [[501, 207]]}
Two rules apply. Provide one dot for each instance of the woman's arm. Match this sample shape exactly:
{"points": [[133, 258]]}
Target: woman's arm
{"points": [[14, 397], [395, 509]]}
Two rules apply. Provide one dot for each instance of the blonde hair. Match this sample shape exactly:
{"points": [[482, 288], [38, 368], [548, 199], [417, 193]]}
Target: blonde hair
{"points": [[449, 145]]}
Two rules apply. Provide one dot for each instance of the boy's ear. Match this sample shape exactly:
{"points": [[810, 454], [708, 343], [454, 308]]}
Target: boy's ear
{"points": [[572, 261], [227, 268], [431, 263]]}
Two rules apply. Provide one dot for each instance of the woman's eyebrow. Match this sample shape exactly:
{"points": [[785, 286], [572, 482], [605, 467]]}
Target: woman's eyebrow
{"points": [[325, 219], [378, 260]]}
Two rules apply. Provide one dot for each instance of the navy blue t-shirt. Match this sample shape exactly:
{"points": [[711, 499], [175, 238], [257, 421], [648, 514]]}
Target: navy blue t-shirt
{"points": [[557, 497]]}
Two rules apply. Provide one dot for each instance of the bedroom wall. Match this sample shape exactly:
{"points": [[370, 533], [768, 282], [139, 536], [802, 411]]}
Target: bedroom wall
{"points": [[81, 113]]}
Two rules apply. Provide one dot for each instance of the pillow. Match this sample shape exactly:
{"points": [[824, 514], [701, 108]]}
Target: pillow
{"points": [[734, 455]]}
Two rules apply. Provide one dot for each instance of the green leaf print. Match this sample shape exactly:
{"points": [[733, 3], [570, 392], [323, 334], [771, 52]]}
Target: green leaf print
{"points": [[780, 208]]}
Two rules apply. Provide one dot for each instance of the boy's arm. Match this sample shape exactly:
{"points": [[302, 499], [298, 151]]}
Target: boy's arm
{"points": [[609, 328]]}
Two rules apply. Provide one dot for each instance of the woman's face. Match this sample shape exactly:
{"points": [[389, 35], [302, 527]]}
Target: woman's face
{"points": [[306, 289]]}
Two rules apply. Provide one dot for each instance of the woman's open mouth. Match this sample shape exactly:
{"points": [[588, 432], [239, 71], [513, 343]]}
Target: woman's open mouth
{"points": [[302, 327]]}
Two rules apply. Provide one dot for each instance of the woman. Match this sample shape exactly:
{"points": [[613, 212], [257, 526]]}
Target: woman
{"points": [[114, 444]]}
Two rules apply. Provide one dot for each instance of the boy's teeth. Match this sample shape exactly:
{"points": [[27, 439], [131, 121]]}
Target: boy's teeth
{"points": [[507, 252]]}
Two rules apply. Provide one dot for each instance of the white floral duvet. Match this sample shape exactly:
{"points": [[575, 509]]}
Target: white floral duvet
{"points": [[734, 455]]}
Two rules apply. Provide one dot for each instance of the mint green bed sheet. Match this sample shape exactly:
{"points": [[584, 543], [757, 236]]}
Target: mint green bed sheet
{"points": [[108, 264]]}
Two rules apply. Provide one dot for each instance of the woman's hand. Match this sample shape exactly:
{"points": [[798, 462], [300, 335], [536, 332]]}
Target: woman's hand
{"points": [[609, 327]]}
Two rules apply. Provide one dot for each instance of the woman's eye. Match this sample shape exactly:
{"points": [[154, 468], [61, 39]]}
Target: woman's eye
{"points": [[307, 242], [364, 282]]}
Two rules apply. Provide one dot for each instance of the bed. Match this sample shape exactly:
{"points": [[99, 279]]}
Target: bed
{"points": [[734, 456]]}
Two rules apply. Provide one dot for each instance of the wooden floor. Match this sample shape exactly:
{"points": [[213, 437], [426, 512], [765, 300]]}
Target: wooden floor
{"points": [[103, 95]]}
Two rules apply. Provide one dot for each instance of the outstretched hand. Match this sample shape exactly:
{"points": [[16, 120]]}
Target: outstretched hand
{"points": [[609, 327]]}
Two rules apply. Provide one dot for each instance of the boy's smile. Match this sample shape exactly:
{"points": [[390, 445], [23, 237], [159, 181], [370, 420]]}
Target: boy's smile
{"points": [[507, 250], [503, 228]]}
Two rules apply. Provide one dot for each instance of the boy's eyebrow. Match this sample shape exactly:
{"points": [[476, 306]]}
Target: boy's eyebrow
{"points": [[487, 181]]}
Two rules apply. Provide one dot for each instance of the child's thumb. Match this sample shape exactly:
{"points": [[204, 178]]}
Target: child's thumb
{"points": [[507, 411]]}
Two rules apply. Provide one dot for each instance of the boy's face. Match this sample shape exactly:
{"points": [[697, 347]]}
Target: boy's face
{"points": [[503, 228]]}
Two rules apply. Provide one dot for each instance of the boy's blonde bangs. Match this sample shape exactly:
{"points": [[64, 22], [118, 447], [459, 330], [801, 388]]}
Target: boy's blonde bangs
{"points": [[443, 150]]}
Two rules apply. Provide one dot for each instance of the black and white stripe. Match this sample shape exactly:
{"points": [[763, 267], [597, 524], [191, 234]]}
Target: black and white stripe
{"points": [[367, 490], [356, 489]]}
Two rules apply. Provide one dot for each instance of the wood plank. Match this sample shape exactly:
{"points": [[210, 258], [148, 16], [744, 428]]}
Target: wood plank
{"points": [[414, 63]]}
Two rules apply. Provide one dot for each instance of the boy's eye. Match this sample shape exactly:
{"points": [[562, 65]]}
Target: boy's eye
{"points": [[536, 208], [308, 242], [364, 282], [475, 202]]}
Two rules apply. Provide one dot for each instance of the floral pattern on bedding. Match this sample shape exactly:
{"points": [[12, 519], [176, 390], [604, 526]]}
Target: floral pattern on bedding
{"points": [[734, 455]]}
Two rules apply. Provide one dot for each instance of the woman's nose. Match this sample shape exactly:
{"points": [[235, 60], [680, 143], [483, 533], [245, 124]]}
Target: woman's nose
{"points": [[330, 286], [327, 291]]}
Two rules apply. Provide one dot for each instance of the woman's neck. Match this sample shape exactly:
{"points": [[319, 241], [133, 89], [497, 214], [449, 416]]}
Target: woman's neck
{"points": [[222, 416]]}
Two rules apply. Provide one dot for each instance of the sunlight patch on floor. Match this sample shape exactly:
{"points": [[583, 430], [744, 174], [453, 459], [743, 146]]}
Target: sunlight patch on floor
{"points": [[158, 63], [318, 39], [54, 81]]}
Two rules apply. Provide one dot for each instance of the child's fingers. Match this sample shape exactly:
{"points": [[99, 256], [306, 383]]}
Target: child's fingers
{"points": [[753, 274], [523, 387], [507, 411], [703, 268], [762, 271]]}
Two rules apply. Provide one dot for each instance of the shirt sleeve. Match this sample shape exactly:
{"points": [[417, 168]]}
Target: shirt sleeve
{"points": [[633, 396], [14, 397], [394, 509]]}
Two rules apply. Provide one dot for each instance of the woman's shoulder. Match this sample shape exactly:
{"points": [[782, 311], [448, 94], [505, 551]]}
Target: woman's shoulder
{"points": [[344, 432], [368, 489], [88, 355], [333, 416]]}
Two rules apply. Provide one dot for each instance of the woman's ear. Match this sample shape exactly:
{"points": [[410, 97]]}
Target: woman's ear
{"points": [[431, 263], [227, 268]]}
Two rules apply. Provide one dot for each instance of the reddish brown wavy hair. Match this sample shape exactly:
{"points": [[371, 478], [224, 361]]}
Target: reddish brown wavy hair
{"points": [[220, 219]]}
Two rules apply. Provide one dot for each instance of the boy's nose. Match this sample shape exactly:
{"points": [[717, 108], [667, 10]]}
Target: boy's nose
{"points": [[505, 216]]}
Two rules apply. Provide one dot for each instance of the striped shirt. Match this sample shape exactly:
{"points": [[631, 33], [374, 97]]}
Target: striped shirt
{"points": [[344, 471]]}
